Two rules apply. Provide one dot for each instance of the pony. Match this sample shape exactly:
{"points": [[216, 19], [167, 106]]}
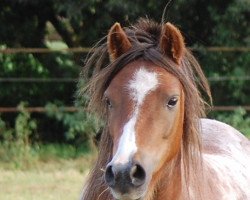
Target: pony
{"points": [[156, 144]]}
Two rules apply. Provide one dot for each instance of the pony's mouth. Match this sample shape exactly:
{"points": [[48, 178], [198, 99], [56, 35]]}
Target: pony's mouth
{"points": [[133, 195]]}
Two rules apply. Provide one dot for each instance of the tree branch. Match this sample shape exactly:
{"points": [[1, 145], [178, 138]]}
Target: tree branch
{"points": [[63, 31]]}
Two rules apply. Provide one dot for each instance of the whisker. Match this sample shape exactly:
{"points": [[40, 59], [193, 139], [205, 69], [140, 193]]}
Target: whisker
{"points": [[102, 193], [103, 170]]}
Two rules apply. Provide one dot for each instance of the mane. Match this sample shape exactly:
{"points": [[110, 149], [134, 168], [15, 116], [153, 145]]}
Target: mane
{"points": [[144, 37]]}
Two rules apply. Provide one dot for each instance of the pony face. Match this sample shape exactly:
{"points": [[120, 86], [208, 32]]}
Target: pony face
{"points": [[145, 117]]}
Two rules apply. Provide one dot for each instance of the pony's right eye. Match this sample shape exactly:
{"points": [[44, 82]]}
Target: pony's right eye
{"points": [[108, 103]]}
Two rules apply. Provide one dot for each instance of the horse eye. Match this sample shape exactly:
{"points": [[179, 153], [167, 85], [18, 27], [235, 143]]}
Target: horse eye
{"points": [[108, 103], [172, 102]]}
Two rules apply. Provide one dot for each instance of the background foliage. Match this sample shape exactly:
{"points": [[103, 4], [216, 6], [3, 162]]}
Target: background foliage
{"points": [[42, 23]]}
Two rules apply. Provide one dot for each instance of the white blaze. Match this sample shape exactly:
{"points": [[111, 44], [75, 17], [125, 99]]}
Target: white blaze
{"points": [[141, 84]]}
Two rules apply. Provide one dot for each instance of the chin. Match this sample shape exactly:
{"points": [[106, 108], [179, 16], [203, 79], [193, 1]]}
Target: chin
{"points": [[132, 195]]}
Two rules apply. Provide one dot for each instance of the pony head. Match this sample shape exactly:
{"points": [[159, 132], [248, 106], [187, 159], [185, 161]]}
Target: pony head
{"points": [[144, 85], [145, 115]]}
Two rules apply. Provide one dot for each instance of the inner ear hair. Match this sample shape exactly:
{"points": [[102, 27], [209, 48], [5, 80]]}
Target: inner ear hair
{"points": [[172, 43], [118, 42]]}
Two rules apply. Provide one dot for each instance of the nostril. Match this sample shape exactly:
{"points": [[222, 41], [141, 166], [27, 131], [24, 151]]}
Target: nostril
{"points": [[109, 176], [137, 175]]}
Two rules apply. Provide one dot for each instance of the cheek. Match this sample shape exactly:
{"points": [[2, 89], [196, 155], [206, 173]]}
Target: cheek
{"points": [[155, 129], [116, 121], [114, 127], [160, 141]]}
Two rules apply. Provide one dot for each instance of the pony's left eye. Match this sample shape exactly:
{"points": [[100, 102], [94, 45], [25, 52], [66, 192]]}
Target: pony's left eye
{"points": [[172, 102]]}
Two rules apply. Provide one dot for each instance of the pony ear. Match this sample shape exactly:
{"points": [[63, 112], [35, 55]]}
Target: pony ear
{"points": [[118, 42], [172, 43]]}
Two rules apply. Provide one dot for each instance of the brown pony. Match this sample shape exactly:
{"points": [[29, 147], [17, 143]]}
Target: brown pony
{"points": [[155, 146]]}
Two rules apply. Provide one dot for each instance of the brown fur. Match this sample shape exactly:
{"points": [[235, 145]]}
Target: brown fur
{"points": [[145, 38]]}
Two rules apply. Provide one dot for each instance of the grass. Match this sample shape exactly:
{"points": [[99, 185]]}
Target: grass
{"points": [[51, 177], [38, 185]]}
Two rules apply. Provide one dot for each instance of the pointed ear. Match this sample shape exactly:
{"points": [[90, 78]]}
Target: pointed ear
{"points": [[118, 42], [172, 43]]}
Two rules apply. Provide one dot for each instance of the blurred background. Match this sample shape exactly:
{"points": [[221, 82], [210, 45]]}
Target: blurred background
{"points": [[46, 136]]}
